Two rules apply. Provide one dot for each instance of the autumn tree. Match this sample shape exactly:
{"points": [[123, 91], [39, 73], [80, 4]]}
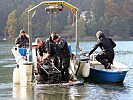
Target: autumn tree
{"points": [[23, 20], [93, 26], [11, 25], [51, 26], [69, 29], [131, 20], [117, 15], [98, 8]]}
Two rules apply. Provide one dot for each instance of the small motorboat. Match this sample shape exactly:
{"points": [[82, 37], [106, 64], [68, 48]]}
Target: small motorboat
{"points": [[98, 73]]}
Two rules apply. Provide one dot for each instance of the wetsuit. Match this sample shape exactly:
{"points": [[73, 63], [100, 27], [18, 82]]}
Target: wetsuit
{"points": [[106, 44]]}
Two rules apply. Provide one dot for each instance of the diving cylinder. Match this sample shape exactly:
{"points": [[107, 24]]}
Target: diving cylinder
{"points": [[86, 70], [16, 75]]}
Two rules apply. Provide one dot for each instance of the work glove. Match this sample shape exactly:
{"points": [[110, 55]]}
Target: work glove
{"points": [[87, 55]]}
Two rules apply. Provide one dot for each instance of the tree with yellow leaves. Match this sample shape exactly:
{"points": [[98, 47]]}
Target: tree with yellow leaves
{"points": [[11, 25]]}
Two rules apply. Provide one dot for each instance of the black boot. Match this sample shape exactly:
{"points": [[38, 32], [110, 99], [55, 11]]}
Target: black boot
{"points": [[65, 77], [108, 66]]}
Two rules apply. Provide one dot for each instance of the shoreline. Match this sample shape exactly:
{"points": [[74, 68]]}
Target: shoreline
{"points": [[82, 39], [94, 39]]}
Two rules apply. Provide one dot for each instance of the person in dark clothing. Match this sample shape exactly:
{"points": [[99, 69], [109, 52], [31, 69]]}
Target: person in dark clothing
{"points": [[41, 51], [63, 54], [51, 50], [50, 46], [22, 40], [41, 48], [106, 44]]}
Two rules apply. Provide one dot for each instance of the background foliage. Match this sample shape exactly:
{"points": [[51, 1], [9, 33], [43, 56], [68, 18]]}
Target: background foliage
{"points": [[114, 17]]}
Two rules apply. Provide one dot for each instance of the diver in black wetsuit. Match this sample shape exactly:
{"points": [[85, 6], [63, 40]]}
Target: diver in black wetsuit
{"points": [[106, 44]]}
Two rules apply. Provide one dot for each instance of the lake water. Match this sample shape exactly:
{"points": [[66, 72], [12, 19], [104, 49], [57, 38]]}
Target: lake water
{"points": [[89, 91]]}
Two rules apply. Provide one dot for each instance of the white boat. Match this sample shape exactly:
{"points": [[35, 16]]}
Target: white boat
{"points": [[26, 58]]}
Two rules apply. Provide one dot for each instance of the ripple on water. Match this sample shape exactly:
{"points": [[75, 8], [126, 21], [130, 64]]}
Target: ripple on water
{"points": [[123, 52], [5, 91], [71, 91], [9, 65], [5, 85], [7, 62]]}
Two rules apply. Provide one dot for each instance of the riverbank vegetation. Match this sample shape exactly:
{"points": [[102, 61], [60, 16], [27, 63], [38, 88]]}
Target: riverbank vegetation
{"points": [[114, 17]]}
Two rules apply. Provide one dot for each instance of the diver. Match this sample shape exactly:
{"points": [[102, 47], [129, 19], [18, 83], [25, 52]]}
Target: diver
{"points": [[106, 44], [22, 40], [63, 54]]}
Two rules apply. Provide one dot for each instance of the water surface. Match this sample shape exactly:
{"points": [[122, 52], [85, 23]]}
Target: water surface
{"points": [[89, 91]]}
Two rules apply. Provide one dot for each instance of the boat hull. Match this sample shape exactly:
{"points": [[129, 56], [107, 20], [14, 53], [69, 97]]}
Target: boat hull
{"points": [[106, 76]]}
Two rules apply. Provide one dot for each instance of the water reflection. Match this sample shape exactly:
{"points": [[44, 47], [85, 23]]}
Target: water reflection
{"points": [[106, 91], [22, 92], [88, 91], [72, 93], [112, 91], [57, 93], [117, 87]]}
